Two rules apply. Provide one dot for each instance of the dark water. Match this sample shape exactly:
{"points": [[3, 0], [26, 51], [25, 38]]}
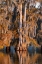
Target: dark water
{"points": [[20, 58]]}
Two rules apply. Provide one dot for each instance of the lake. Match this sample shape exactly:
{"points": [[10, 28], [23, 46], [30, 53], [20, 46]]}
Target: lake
{"points": [[22, 57]]}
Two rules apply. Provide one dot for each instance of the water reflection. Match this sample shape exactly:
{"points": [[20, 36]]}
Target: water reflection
{"points": [[20, 58], [26, 58], [5, 59], [8, 58]]}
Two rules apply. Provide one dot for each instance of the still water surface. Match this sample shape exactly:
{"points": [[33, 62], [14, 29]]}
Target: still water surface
{"points": [[20, 58]]}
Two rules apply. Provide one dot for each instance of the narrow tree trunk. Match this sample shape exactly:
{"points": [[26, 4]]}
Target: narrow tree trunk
{"points": [[20, 26], [25, 29]]}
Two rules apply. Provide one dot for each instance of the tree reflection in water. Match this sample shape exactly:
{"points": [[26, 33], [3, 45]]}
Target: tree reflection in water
{"points": [[26, 58], [8, 58], [22, 57]]}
